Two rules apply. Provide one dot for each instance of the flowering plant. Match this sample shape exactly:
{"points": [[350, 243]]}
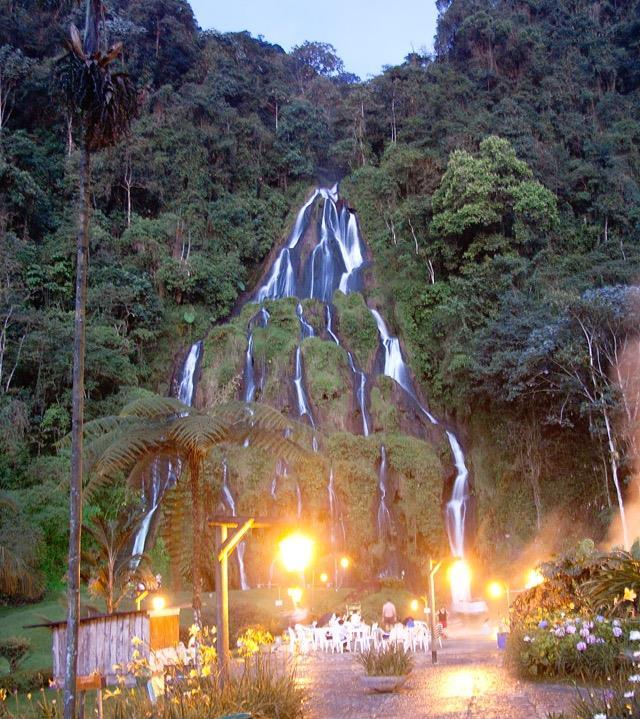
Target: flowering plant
{"points": [[570, 645]]}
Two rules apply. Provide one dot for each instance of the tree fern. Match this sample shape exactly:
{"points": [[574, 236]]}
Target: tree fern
{"points": [[151, 428]]}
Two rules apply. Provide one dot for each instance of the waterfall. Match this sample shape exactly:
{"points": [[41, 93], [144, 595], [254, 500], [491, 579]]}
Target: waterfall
{"points": [[249, 374], [160, 479], [361, 396], [456, 506], [306, 330], [230, 502], [325, 265], [384, 515], [281, 280], [351, 247], [330, 325], [360, 378], [249, 381], [298, 381], [299, 499], [395, 367]]}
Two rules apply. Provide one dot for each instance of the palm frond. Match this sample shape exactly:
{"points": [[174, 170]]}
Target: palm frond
{"points": [[198, 432], [155, 407]]}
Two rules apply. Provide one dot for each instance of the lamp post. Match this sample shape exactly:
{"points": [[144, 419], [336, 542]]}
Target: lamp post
{"points": [[433, 569]]}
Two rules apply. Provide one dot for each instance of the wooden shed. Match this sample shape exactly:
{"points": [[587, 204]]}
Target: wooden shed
{"points": [[107, 639]]}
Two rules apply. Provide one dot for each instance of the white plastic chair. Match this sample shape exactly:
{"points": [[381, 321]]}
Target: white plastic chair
{"points": [[361, 638], [423, 637]]}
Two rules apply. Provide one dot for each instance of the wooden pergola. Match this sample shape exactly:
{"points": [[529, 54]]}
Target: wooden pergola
{"points": [[230, 531]]}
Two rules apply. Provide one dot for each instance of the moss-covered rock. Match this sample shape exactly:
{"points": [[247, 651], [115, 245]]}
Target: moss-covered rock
{"points": [[384, 414], [328, 380], [357, 327], [221, 364]]}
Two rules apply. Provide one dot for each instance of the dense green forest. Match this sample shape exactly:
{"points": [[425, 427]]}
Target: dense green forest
{"points": [[496, 184]]}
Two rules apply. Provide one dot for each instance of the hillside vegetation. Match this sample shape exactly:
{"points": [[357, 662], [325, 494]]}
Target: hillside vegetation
{"points": [[497, 187]]}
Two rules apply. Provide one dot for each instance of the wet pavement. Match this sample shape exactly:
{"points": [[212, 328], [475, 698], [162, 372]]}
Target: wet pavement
{"points": [[469, 682]]}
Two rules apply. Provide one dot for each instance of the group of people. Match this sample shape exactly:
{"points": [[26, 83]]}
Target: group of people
{"points": [[390, 617]]}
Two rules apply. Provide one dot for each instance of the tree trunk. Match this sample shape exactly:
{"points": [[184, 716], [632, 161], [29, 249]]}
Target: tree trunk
{"points": [[616, 480], [196, 502], [75, 491]]}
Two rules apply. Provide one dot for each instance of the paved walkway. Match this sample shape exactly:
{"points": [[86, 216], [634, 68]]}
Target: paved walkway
{"points": [[469, 682]]}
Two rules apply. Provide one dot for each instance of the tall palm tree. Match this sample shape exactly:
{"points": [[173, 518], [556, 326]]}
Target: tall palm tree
{"points": [[155, 428], [103, 104], [108, 567]]}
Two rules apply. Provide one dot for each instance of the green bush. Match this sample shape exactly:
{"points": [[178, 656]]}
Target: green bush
{"points": [[14, 650], [26, 680]]}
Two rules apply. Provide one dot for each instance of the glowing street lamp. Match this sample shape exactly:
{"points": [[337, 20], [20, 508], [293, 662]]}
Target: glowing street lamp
{"points": [[324, 578], [158, 603], [497, 589], [344, 563], [414, 605], [296, 552]]}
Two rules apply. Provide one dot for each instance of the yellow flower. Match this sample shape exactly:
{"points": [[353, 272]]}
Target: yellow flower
{"points": [[136, 641], [629, 595], [193, 630], [29, 696], [3, 694]]}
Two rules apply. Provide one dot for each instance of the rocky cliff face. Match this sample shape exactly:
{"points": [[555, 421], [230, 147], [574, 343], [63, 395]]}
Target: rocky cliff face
{"points": [[310, 346]]}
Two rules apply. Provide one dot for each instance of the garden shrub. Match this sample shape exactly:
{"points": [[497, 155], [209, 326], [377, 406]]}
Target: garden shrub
{"points": [[15, 651], [392, 661], [26, 680], [568, 646]]}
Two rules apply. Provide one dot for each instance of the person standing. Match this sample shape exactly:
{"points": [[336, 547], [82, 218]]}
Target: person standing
{"points": [[389, 615]]}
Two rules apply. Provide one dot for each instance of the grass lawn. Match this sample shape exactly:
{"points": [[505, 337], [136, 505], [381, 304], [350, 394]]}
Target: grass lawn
{"points": [[254, 605]]}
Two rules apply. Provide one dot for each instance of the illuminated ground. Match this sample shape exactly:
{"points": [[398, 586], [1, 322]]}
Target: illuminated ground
{"points": [[469, 682]]}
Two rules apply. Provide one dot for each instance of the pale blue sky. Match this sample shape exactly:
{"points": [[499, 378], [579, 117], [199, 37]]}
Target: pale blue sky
{"points": [[366, 33]]}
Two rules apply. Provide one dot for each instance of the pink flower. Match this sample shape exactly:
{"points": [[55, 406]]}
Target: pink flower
{"points": [[581, 646], [571, 629]]}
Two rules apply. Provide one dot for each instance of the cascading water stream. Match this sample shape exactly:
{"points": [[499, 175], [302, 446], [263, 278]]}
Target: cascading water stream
{"points": [[384, 515], [249, 380], [351, 253], [301, 395], [281, 280], [160, 479], [306, 330], [395, 367], [230, 502], [359, 377], [335, 263]]}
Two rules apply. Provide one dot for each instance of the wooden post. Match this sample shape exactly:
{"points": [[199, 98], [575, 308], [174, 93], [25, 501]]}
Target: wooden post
{"points": [[432, 605], [222, 602]]}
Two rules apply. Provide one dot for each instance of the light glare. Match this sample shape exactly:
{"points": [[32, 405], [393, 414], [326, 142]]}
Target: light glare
{"points": [[296, 552], [534, 578], [460, 574], [158, 603]]}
